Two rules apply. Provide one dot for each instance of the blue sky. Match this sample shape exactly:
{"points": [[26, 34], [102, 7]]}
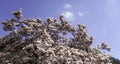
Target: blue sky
{"points": [[100, 16]]}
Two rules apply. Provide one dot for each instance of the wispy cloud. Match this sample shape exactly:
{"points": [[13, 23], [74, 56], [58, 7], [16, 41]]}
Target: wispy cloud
{"points": [[67, 6], [68, 15], [81, 14]]}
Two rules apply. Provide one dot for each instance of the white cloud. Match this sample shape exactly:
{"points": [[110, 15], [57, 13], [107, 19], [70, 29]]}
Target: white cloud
{"points": [[81, 14], [68, 15], [67, 6]]}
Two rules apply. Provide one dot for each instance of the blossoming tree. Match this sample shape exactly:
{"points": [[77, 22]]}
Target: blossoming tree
{"points": [[35, 41]]}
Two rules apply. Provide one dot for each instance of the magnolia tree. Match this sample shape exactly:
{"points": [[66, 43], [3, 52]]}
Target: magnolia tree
{"points": [[33, 41]]}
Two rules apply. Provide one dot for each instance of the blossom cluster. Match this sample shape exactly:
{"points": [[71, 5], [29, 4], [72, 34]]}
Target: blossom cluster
{"points": [[33, 41]]}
